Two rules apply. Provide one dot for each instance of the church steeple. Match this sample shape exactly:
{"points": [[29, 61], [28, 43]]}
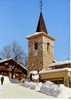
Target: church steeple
{"points": [[40, 45], [41, 27]]}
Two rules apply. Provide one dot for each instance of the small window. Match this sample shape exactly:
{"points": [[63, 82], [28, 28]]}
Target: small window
{"points": [[36, 45], [48, 44]]}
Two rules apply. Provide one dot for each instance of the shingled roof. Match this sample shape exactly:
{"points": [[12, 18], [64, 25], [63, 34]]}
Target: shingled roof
{"points": [[41, 27]]}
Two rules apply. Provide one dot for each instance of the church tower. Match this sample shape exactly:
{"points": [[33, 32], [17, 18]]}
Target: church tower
{"points": [[40, 46]]}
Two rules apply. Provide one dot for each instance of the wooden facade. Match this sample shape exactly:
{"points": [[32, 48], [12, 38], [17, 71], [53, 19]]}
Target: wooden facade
{"points": [[60, 74], [41, 57], [12, 69]]}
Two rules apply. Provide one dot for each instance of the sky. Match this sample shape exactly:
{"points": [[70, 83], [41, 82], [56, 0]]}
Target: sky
{"points": [[19, 18]]}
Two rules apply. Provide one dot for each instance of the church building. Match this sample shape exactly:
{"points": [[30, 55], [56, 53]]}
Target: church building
{"points": [[41, 56], [40, 47]]}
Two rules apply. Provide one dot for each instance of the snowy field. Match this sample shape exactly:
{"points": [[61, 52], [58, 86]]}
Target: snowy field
{"points": [[33, 90], [12, 90]]}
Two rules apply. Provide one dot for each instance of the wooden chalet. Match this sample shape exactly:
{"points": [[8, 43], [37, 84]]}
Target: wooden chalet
{"points": [[12, 69]]}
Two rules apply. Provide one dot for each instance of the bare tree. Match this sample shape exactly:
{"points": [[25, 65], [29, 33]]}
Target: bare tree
{"points": [[17, 53], [6, 52], [14, 51]]}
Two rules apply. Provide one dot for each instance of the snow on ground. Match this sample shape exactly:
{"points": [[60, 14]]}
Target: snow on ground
{"points": [[13, 90], [65, 92], [49, 88]]}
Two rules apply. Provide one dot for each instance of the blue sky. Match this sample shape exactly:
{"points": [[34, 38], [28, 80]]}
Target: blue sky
{"points": [[18, 18]]}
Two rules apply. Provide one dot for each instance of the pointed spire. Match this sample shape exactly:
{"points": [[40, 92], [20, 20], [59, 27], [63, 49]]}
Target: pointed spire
{"points": [[41, 27]]}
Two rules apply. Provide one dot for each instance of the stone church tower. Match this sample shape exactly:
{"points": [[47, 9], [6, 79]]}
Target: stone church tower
{"points": [[40, 47]]}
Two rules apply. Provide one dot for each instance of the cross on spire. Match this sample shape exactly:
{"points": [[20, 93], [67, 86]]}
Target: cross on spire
{"points": [[41, 27], [40, 6]]}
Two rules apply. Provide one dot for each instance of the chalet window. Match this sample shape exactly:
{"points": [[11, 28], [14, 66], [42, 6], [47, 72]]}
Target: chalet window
{"points": [[36, 45]]}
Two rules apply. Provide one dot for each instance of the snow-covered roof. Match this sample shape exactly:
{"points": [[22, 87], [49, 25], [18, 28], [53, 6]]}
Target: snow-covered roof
{"points": [[55, 70], [38, 33], [8, 59], [22, 66], [60, 63], [34, 34]]}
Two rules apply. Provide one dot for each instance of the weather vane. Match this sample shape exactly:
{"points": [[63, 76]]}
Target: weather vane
{"points": [[41, 6]]}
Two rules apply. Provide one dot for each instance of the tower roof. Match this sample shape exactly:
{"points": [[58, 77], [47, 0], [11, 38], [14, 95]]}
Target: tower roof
{"points": [[41, 27]]}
